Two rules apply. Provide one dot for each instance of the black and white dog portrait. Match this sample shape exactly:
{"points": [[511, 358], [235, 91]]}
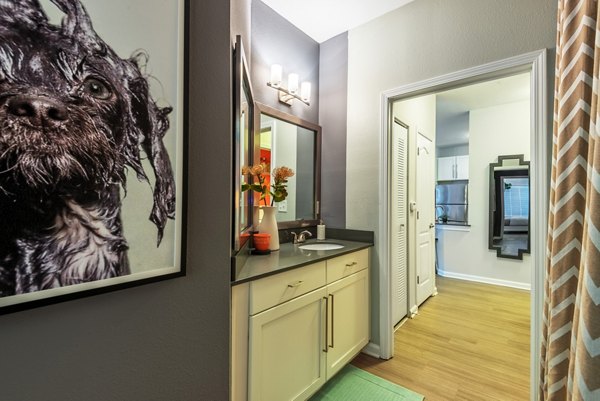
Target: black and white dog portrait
{"points": [[75, 118]]}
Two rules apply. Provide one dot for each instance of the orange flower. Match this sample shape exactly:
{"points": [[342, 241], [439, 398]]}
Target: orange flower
{"points": [[282, 173], [257, 169], [280, 176]]}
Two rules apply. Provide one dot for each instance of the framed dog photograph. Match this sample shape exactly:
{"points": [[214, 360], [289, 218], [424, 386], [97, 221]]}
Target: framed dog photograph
{"points": [[93, 135]]}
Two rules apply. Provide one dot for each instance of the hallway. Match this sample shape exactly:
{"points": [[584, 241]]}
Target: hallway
{"points": [[469, 343]]}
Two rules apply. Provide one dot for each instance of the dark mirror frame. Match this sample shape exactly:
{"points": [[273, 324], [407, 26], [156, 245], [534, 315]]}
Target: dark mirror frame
{"points": [[259, 109], [242, 86], [524, 164]]}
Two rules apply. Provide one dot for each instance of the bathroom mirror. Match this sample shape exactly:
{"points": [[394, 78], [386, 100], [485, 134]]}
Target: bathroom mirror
{"points": [[509, 231], [285, 140], [242, 140]]}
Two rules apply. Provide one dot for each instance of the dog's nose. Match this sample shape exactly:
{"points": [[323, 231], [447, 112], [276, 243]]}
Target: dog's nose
{"points": [[38, 110]]}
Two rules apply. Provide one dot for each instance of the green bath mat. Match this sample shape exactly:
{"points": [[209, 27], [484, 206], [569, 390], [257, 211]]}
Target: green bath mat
{"points": [[354, 384]]}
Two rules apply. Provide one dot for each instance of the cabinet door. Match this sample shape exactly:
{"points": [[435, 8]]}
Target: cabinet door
{"points": [[286, 359], [462, 167], [348, 330], [445, 168]]}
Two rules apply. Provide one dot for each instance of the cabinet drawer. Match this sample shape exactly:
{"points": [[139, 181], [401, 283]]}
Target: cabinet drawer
{"points": [[273, 290], [346, 265]]}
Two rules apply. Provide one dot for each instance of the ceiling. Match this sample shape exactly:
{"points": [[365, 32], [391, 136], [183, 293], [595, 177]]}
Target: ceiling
{"points": [[324, 19], [453, 106]]}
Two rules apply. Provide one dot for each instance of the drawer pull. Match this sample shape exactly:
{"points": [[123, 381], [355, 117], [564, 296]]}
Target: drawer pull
{"points": [[296, 284], [351, 264]]}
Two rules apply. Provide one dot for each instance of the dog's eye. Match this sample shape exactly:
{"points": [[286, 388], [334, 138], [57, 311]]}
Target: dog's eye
{"points": [[97, 89]]}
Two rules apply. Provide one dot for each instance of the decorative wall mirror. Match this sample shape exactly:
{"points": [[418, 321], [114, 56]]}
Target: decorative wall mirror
{"points": [[285, 140], [509, 231], [243, 141]]}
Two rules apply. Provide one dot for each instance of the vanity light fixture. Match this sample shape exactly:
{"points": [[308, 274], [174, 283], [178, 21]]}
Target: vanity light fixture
{"points": [[288, 95]]}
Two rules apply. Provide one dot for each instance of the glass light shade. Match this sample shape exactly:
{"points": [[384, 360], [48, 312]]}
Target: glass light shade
{"points": [[275, 75], [293, 83], [305, 91]]}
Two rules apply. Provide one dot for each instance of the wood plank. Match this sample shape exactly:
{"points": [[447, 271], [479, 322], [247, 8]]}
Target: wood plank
{"points": [[469, 343]]}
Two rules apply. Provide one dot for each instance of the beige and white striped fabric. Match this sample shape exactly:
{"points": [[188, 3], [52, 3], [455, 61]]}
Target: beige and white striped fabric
{"points": [[571, 344]]}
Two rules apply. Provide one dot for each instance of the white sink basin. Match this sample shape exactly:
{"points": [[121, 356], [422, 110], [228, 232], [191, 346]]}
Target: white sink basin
{"points": [[321, 247]]}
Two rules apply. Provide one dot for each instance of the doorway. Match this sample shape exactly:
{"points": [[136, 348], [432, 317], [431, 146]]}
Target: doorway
{"points": [[535, 63]]}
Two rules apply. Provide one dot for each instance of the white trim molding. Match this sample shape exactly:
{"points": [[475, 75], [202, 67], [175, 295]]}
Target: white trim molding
{"points": [[485, 280], [372, 349], [535, 63]]}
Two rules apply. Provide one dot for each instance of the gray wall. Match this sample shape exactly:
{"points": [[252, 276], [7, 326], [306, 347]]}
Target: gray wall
{"points": [[422, 40], [277, 41], [167, 341], [458, 150], [332, 118], [451, 130], [240, 24]]}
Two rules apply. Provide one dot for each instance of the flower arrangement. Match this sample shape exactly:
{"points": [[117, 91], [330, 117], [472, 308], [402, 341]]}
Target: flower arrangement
{"points": [[279, 187]]}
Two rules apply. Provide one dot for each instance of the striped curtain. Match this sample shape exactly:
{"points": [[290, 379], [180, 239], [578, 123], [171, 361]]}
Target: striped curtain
{"points": [[571, 343]]}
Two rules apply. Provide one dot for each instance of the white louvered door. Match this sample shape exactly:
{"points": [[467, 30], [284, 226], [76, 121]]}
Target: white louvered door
{"points": [[398, 228]]}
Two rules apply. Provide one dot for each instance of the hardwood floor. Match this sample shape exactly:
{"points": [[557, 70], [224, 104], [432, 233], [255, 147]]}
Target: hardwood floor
{"points": [[468, 343]]}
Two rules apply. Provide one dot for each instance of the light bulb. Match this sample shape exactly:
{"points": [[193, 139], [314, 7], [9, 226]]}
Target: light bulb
{"points": [[305, 91], [293, 83], [276, 75]]}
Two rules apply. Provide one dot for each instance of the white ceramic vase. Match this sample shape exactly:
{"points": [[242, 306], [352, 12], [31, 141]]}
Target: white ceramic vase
{"points": [[268, 225]]}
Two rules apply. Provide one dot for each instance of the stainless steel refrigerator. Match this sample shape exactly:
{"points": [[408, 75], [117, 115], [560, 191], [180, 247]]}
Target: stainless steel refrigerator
{"points": [[451, 202]]}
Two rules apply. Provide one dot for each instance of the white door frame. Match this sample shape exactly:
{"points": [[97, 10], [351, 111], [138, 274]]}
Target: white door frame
{"points": [[535, 63]]}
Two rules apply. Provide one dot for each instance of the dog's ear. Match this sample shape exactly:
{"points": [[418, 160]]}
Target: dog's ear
{"points": [[151, 123], [24, 12], [164, 187], [77, 24]]}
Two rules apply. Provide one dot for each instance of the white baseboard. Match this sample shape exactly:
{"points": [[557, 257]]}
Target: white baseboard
{"points": [[414, 310], [486, 280], [372, 349]]}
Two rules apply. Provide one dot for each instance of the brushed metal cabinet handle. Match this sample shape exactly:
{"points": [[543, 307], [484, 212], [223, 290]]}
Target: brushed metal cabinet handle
{"points": [[351, 264], [332, 320], [326, 323], [296, 284]]}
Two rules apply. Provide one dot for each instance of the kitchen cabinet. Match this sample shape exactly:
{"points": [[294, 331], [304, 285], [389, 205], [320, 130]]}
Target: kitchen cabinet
{"points": [[453, 168], [305, 325]]}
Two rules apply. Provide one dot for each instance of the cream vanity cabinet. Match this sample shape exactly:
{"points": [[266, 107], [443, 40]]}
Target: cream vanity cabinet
{"points": [[305, 325], [453, 168], [348, 308]]}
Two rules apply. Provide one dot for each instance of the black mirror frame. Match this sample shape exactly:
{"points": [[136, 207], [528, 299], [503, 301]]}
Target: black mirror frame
{"points": [[241, 80], [492, 195]]}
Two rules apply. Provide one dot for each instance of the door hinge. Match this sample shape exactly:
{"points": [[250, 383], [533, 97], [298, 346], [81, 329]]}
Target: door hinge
{"points": [[418, 280]]}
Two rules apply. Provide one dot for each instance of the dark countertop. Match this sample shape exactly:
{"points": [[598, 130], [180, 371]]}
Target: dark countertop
{"points": [[289, 256]]}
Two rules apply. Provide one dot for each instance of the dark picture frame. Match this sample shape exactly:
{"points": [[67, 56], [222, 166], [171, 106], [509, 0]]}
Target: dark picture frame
{"points": [[150, 201]]}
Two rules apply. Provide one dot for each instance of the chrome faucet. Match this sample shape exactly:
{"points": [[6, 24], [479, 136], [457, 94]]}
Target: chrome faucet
{"points": [[300, 238]]}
